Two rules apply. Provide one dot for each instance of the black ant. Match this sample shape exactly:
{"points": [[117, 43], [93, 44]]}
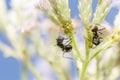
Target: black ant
{"points": [[96, 39], [65, 46]]}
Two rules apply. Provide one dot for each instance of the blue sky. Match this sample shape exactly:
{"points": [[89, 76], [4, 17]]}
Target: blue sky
{"points": [[10, 68]]}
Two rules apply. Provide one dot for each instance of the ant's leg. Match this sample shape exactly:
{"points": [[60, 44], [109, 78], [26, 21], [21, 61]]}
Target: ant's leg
{"points": [[101, 29], [68, 37], [100, 38], [101, 26], [66, 57], [65, 38], [68, 42], [100, 32]]}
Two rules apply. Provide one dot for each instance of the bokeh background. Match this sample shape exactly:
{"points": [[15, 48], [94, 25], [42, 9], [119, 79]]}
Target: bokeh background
{"points": [[10, 68]]}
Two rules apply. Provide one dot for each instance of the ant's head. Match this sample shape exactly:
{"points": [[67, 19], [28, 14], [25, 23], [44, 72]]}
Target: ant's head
{"points": [[60, 39], [94, 29]]}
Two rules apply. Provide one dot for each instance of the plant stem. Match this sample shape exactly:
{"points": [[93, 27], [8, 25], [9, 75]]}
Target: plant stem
{"points": [[28, 64], [24, 72], [97, 70], [33, 70], [84, 67], [106, 45], [85, 63]]}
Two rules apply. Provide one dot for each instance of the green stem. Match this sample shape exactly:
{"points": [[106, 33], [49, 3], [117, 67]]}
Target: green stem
{"points": [[29, 65], [24, 72], [85, 63], [106, 45], [76, 48], [84, 67], [114, 37], [87, 48], [97, 70], [33, 70]]}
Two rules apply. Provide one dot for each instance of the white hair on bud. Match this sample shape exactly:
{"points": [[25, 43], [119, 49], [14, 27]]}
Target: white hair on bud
{"points": [[42, 4]]}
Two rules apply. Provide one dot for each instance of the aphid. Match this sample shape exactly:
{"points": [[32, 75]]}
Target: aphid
{"points": [[64, 44], [96, 39]]}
